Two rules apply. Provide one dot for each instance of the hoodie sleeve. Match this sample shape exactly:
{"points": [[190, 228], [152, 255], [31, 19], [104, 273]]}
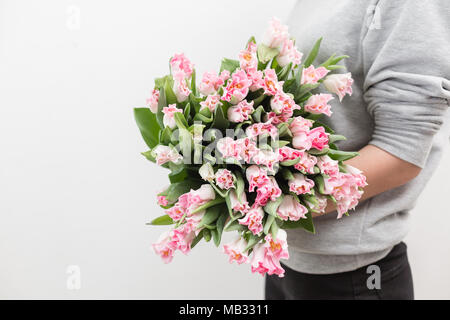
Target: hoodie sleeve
{"points": [[406, 60]]}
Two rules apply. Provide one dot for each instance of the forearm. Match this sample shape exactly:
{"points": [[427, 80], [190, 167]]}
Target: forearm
{"points": [[382, 170]]}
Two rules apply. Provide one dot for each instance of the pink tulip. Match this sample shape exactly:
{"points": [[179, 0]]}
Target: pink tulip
{"points": [[328, 166], [264, 263], [271, 84], [340, 84], [162, 201], [253, 220], [211, 82], [180, 87], [256, 177], [306, 163], [248, 149], [229, 148], [288, 54], [235, 250], [276, 34], [240, 112], [300, 125], [164, 248], [165, 154], [268, 191], [211, 102], [260, 128], [300, 184], [237, 87], [302, 141], [152, 102], [224, 179], [256, 78], [182, 237], [283, 103], [266, 158], [312, 75], [169, 119], [287, 153], [248, 58], [239, 206], [318, 104], [278, 247], [291, 209], [319, 138], [179, 62], [176, 212]]}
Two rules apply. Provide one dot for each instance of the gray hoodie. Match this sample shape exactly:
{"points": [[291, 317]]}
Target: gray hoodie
{"points": [[400, 61]]}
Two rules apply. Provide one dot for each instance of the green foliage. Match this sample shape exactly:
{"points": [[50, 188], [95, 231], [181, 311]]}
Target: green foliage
{"points": [[161, 221], [148, 126], [265, 53], [306, 224], [229, 64], [312, 54]]}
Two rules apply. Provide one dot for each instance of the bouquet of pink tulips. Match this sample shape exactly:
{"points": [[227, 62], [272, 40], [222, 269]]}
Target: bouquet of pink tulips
{"points": [[246, 151]]}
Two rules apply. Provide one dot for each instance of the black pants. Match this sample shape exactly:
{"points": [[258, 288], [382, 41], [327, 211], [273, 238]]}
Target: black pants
{"points": [[394, 282]]}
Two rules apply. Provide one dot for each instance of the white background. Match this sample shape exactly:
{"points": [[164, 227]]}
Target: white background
{"points": [[74, 189]]}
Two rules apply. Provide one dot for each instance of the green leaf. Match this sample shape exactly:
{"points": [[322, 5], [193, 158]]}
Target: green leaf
{"points": [[252, 39], [220, 121], [320, 183], [234, 225], [287, 174], [222, 193], [209, 204], [186, 141], [252, 241], [272, 206], [257, 114], [175, 190], [165, 135], [332, 61], [180, 120], [178, 174], [341, 155], [265, 53], [240, 185], [202, 118], [274, 230], [217, 235], [161, 221], [187, 112], [207, 234], [148, 126], [161, 104], [159, 82], [283, 130], [335, 137], [193, 86], [268, 224], [306, 224], [171, 98], [318, 153], [313, 53], [327, 128], [279, 143], [289, 163], [211, 215], [148, 154], [304, 89], [197, 239], [284, 72], [229, 64]]}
